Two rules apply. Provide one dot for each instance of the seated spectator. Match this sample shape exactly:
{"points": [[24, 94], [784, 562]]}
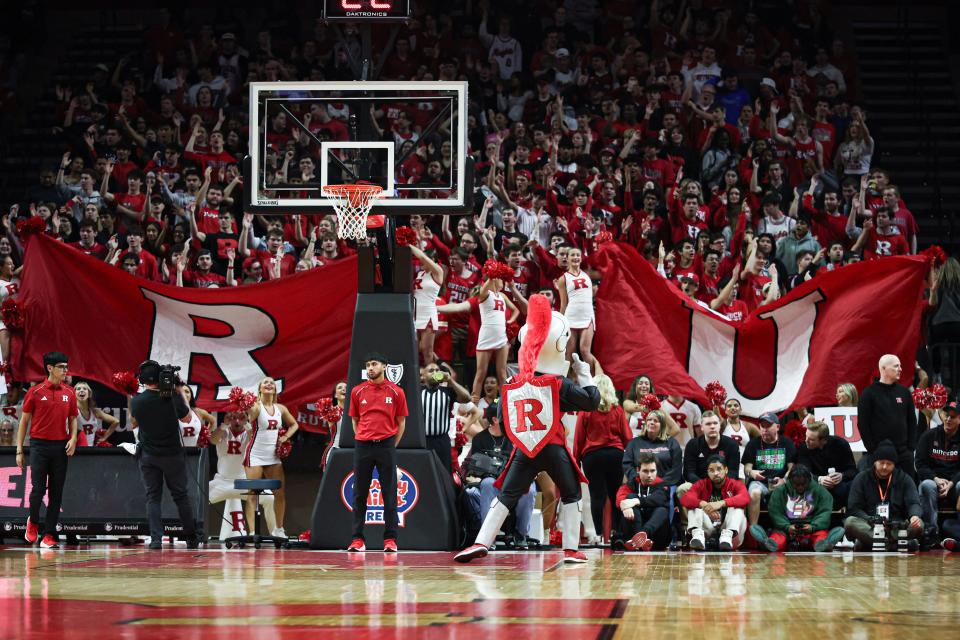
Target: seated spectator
{"points": [[643, 501], [715, 507], [800, 511], [766, 462], [830, 460], [938, 464], [699, 450], [489, 451], [655, 438], [883, 494]]}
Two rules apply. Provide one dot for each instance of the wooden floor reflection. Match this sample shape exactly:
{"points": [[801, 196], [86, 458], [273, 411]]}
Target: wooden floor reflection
{"points": [[104, 592]]}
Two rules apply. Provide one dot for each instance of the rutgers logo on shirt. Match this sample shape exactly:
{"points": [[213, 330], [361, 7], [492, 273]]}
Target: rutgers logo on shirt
{"points": [[388, 400], [272, 425], [498, 305], [580, 283], [884, 248]]}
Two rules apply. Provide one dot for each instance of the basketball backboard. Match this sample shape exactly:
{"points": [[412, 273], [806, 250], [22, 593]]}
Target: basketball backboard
{"points": [[408, 137]]}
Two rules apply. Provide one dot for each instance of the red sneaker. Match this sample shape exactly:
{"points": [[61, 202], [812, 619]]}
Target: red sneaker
{"points": [[32, 532], [357, 546], [574, 557], [390, 545], [472, 552], [639, 542], [49, 542]]}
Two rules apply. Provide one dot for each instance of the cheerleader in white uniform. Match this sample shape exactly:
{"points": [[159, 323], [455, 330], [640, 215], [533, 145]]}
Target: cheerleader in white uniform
{"points": [[492, 337], [91, 419], [426, 288], [267, 417], [576, 303], [9, 287], [191, 424], [231, 440]]}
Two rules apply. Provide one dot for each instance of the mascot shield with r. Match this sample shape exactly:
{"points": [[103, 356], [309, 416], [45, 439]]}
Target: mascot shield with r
{"points": [[531, 412]]}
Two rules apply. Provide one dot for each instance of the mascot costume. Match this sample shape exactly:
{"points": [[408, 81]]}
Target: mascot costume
{"points": [[531, 407]]}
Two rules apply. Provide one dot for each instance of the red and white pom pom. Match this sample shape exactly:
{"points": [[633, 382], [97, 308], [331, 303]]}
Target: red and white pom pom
{"points": [[203, 439], [938, 396], [651, 402], [12, 314], [283, 448], [493, 269], [936, 255], [603, 237], [30, 227], [328, 411], [461, 438], [407, 236], [101, 438], [126, 382], [922, 398], [240, 400], [716, 394], [506, 272]]}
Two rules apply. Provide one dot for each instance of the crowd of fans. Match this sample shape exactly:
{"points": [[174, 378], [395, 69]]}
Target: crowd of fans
{"points": [[727, 145]]}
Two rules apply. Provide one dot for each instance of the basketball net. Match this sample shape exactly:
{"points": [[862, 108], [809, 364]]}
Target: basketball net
{"points": [[352, 203]]}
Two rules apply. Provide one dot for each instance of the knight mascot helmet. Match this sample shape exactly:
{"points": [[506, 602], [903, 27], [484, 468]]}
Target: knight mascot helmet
{"points": [[543, 340]]}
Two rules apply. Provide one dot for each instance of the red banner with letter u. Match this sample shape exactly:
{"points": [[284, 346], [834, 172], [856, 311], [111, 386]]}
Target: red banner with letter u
{"points": [[791, 353], [296, 330]]}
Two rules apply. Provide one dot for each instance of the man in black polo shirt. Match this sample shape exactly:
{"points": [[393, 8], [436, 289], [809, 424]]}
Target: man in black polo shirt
{"points": [[161, 453]]}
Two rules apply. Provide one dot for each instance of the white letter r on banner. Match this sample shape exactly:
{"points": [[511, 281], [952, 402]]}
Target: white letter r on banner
{"points": [[175, 340]]}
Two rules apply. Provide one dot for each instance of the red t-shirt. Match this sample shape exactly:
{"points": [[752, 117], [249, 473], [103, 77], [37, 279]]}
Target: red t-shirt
{"points": [[51, 406], [377, 407], [288, 264]]}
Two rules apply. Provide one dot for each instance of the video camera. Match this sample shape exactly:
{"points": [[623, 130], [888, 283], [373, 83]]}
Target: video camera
{"points": [[163, 375]]}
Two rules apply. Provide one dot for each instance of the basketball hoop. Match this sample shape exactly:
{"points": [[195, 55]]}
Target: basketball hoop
{"points": [[352, 202]]}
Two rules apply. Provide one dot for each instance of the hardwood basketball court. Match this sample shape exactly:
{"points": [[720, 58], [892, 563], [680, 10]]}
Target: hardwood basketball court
{"points": [[106, 592]]}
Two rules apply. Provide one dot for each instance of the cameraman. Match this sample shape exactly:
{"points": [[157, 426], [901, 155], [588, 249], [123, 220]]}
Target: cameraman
{"points": [[882, 493], [161, 452], [489, 451]]}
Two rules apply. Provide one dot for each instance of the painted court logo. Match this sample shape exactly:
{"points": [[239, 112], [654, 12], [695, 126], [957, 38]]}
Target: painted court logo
{"points": [[408, 492]]}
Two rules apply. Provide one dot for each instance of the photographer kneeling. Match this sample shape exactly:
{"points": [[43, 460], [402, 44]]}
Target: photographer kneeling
{"points": [[156, 413]]}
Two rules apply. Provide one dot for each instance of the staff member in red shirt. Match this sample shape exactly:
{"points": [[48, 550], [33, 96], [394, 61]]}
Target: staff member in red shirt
{"points": [[51, 410], [379, 412]]}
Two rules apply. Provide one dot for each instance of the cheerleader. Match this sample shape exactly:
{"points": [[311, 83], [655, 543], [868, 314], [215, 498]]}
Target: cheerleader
{"points": [[260, 460], [492, 339], [193, 422], [576, 303], [91, 419], [9, 287], [426, 287], [734, 427]]}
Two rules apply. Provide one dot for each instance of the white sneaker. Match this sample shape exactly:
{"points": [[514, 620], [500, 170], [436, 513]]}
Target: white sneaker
{"points": [[726, 540], [279, 533], [697, 540]]}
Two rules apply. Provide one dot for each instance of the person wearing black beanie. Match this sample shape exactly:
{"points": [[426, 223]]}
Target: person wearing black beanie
{"points": [[882, 491]]}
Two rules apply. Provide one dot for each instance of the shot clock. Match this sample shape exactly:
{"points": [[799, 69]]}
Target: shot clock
{"points": [[360, 10]]}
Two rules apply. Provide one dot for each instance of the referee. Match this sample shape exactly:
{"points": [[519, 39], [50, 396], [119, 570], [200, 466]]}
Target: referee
{"points": [[378, 409], [437, 403]]}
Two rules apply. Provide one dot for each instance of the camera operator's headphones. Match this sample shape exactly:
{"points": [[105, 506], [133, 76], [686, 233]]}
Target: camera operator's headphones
{"points": [[149, 372]]}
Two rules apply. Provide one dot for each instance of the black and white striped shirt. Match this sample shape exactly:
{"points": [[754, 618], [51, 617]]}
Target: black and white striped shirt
{"points": [[437, 407]]}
